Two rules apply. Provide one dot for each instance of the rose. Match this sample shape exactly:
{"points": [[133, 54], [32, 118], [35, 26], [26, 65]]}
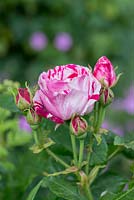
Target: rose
{"points": [[23, 98], [78, 125], [104, 72], [64, 91]]}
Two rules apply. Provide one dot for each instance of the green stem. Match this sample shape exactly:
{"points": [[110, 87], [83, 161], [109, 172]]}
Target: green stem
{"points": [[88, 159], [81, 153], [89, 154], [57, 158], [35, 137], [95, 114], [115, 152], [101, 116], [40, 135], [73, 140], [88, 192]]}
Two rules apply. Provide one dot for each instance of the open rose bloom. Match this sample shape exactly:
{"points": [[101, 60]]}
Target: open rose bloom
{"points": [[64, 91]]}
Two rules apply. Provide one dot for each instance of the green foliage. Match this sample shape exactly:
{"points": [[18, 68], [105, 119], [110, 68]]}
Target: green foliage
{"points": [[108, 182], [7, 102], [97, 28], [103, 27], [99, 153], [128, 195], [32, 194], [11, 134], [127, 141], [63, 188], [11, 137]]}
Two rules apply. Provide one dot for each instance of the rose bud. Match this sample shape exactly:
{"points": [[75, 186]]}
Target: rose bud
{"points": [[105, 72], [78, 125], [106, 97], [32, 117], [23, 98], [64, 91]]}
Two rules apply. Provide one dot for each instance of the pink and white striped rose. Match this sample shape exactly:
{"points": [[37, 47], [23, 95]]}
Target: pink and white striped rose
{"points": [[64, 91], [105, 72]]}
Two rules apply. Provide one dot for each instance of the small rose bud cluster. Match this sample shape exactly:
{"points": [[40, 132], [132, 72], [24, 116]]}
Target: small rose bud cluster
{"points": [[105, 74], [24, 101]]}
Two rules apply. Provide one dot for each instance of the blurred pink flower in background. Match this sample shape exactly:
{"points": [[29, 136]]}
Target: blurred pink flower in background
{"points": [[115, 129], [23, 125], [126, 104], [63, 41], [105, 125], [117, 104], [130, 126], [38, 41]]}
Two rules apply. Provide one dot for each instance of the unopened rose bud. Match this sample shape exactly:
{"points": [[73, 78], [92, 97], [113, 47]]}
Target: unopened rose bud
{"points": [[106, 97], [32, 117], [78, 125], [23, 98], [104, 72]]}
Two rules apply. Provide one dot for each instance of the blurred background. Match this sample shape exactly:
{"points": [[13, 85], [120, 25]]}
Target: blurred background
{"points": [[36, 35]]}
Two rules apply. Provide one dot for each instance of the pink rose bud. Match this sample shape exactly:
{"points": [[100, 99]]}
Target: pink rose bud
{"points": [[23, 99], [32, 117], [64, 91], [78, 125], [106, 97], [105, 72]]}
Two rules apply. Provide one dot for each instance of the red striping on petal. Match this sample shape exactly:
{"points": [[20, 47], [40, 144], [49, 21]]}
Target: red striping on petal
{"points": [[44, 113], [83, 71], [17, 98], [75, 124], [57, 120], [72, 66], [95, 97], [62, 75], [72, 75], [66, 91], [59, 68], [24, 94], [49, 74], [93, 85], [41, 112]]}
